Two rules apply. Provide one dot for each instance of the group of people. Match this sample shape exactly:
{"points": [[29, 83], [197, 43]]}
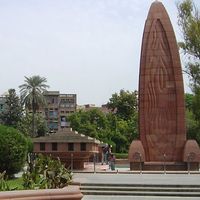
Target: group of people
{"points": [[108, 157]]}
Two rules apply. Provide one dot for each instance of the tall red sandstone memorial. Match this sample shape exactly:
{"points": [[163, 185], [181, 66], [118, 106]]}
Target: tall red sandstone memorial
{"points": [[162, 126]]}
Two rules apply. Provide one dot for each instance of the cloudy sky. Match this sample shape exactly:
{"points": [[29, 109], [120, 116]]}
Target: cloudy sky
{"points": [[87, 47]]}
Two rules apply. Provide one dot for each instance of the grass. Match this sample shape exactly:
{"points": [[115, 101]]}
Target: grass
{"points": [[121, 155], [15, 183]]}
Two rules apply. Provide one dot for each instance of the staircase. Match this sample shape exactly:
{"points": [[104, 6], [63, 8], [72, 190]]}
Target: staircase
{"points": [[140, 190]]}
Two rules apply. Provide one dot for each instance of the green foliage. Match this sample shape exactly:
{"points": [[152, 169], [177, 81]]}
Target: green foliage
{"points": [[121, 155], [117, 128], [196, 105], [193, 130], [46, 173], [13, 150], [124, 104], [15, 183], [40, 125], [189, 22], [32, 92], [29, 144], [92, 123], [3, 184], [32, 95], [189, 101], [192, 116], [13, 110], [124, 118]]}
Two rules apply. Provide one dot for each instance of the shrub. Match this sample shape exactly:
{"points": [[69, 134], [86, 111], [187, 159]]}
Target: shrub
{"points": [[30, 144], [121, 155], [46, 173], [3, 184], [13, 150]]}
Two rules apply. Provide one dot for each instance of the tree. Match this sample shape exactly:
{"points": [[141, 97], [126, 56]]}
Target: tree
{"points": [[189, 101], [24, 125], [92, 123], [117, 128], [13, 150], [124, 104], [189, 22], [32, 96], [13, 110]]}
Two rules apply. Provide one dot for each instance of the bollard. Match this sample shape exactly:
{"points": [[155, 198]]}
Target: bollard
{"points": [[140, 163], [72, 162], [188, 163], [94, 161], [164, 167]]}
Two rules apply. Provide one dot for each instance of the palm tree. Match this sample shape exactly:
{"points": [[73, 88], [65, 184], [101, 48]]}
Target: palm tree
{"points": [[32, 96]]}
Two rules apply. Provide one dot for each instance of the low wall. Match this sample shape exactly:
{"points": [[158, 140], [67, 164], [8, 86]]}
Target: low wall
{"points": [[121, 161], [67, 193]]}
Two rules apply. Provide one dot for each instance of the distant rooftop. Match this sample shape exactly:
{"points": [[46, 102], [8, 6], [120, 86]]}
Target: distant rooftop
{"points": [[51, 93], [66, 135], [57, 93]]}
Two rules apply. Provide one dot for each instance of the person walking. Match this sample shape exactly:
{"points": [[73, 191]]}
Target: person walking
{"points": [[112, 161]]}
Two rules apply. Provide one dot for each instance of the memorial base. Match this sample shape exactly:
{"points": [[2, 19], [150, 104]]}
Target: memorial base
{"points": [[160, 166]]}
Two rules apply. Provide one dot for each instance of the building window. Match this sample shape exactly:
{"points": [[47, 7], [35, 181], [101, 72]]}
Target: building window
{"points": [[83, 146], [53, 125], [63, 121], [42, 146], [54, 146], [70, 146], [53, 114]]}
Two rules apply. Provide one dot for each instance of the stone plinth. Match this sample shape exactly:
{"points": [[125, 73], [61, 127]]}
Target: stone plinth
{"points": [[67, 193]]}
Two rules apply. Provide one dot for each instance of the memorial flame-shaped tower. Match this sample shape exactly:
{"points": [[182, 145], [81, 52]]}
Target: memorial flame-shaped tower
{"points": [[162, 126]]}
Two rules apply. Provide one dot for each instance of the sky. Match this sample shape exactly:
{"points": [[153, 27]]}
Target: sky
{"points": [[86, 47]]}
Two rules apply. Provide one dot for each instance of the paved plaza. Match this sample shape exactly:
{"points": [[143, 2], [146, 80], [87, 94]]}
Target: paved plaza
{"points": [[91, 197], [154, 179], [150, 179]]}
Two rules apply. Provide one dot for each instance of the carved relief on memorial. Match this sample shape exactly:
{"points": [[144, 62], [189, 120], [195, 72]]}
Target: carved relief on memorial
{"points": [[161, 98], [160, 113], [162, 127]]}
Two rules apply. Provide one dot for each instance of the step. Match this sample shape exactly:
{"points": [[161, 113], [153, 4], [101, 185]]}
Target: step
{"points": [[140, 185], [141, 193], [131, 188]]}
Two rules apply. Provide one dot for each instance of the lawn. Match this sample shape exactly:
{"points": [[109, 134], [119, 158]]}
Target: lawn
{"points": [[15, 183], [121, 155]]}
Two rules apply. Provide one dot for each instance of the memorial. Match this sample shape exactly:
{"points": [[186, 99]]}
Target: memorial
{"points": [[162, 128]]}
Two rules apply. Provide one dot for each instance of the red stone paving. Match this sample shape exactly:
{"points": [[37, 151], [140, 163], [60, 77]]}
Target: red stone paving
{"points": [[89, 166]]}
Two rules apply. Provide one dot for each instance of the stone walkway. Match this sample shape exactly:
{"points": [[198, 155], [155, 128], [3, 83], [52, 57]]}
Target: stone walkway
{"points": [[91, 197], [124, 169], [154, 179]]}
